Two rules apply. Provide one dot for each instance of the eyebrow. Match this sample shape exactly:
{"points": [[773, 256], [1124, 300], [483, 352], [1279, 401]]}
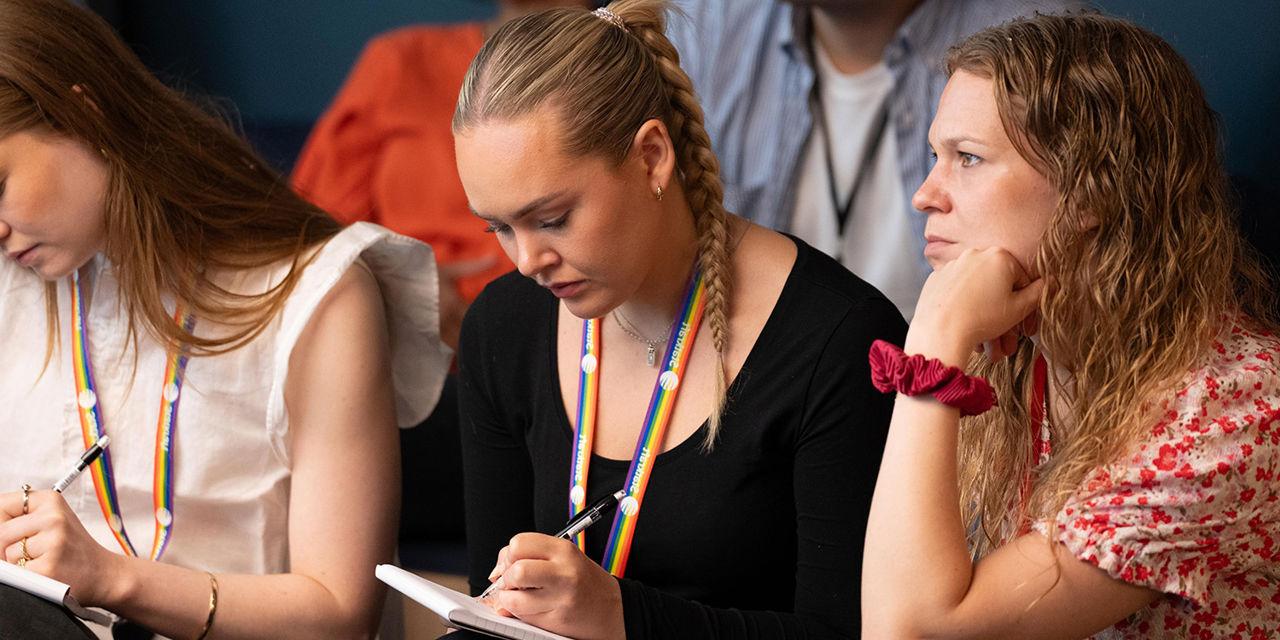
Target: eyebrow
{"points": [[954, 141], [526, 209]]}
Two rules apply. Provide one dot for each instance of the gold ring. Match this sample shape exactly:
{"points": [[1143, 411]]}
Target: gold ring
{"points": [[26, 555], [26, 498], [22, 562]]}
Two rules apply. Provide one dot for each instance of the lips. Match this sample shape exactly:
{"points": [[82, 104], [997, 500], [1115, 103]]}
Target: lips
{"points": [[566, 289], [21, 257], [935, 244]]}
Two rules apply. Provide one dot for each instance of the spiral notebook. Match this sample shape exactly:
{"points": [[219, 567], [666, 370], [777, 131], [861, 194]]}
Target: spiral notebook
{"points": [[48, 589], [459, 610]]}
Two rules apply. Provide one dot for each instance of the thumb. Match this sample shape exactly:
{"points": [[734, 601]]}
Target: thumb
{"points": [[464, 268]]}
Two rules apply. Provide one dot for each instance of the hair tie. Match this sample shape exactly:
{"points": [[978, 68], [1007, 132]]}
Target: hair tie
{"points": [[893, 370], [610, 17]]}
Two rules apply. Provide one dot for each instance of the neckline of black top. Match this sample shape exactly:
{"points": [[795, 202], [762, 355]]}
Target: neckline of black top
{"points": [[695, 440]]}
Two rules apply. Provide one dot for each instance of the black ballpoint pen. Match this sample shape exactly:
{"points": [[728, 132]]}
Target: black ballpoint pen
{"points": [[85, 460], [576, 525]]}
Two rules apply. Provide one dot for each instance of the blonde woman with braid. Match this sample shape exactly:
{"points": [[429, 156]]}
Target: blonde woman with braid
{"points": [[1125, 484], [638, 298]]}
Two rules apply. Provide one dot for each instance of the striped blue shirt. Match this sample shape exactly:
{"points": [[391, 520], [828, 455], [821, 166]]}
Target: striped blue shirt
{"points": [[753, 76]]}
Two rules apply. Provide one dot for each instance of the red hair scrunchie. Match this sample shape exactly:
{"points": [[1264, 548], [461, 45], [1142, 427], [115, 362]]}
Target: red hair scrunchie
{"points": [[893, 370]]}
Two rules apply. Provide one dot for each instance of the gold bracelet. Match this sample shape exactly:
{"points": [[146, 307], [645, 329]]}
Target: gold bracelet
{"points": [[213, 606]]}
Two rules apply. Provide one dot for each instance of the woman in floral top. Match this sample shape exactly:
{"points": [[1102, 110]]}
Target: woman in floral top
{"points": [[1081, 236]]}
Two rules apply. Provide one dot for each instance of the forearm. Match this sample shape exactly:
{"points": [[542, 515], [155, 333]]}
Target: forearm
{"points": [[174, 602], [916, 565]]}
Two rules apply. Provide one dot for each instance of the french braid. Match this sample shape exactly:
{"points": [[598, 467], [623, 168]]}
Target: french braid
{"points": [[700, 173]]}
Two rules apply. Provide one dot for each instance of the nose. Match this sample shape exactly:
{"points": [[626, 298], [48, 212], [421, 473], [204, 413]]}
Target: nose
{"points": [[532, 255], [932, 196]]}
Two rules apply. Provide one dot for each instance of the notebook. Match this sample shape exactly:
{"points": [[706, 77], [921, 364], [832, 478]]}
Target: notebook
{"points": [[48, 589], [459, 610]]}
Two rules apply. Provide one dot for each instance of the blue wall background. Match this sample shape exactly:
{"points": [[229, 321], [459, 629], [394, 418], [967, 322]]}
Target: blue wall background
{"points": [[278, 63]]}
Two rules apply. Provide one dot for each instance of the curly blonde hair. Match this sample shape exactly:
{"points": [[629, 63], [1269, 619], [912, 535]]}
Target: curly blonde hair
{"points": [[1143, 257], [606, 80]]}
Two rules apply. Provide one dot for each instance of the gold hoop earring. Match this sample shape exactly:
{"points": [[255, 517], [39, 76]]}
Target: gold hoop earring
{"points": [[657, 194]]}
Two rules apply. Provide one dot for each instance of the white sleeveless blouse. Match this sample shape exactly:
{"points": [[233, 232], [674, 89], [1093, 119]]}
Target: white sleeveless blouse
{"points": [[232, 445]]}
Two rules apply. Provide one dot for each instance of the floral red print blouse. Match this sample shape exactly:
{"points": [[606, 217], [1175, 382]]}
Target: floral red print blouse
{"points": [[1195, 513]]}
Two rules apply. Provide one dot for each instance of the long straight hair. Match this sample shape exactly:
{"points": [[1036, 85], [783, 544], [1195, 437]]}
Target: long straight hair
{"points": [[186, 197], [606, 80]]}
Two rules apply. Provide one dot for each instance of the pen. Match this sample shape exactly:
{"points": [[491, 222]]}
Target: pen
{"points": [[576, 525], [86, 459]]}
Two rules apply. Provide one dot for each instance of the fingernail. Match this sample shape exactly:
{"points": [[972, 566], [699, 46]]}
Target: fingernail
{"points": [[494, 574]]}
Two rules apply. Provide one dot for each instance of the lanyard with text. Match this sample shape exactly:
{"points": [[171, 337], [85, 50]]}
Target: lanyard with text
{"points": [[658, 416], [91, 427]]}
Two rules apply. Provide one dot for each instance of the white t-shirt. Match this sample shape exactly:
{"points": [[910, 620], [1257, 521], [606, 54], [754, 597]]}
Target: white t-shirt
{"points": [[232, 451], [878, 242]]}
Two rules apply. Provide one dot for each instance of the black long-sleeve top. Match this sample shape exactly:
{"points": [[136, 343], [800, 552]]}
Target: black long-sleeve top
{"points": [[762, 537]]}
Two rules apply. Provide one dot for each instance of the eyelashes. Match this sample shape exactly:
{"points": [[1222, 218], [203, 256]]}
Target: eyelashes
{"points": [[555, 224], [500, 228]]}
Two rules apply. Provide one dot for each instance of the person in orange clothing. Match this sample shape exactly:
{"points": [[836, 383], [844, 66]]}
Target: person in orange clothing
{"points": [[383, 151]]}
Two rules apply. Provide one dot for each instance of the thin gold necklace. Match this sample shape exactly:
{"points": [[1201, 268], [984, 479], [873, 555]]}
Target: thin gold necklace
{"points": [[651, 346]]}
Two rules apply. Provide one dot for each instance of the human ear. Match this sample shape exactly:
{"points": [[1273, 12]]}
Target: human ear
{"points": [[656, 152]]}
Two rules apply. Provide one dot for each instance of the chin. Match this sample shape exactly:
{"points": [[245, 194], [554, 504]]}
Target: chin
{"points": [[589, 304], [54, 271], [585, 309]]}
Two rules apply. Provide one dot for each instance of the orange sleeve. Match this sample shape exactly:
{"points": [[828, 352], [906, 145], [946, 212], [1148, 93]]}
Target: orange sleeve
{"points": [[336, 166], [383, 152]]}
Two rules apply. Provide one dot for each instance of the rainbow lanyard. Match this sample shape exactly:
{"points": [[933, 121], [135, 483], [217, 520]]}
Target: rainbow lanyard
{"points": [[91, 427], [661, 404]]}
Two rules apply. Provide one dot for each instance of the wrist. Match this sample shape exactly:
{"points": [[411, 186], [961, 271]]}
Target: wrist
{"points": [[893, 370], [121, 582], [617, 620], [938, 343]]}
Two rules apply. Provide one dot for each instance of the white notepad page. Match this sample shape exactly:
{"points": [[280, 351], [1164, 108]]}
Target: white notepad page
{"points": [[48, 589], [458, 609]]}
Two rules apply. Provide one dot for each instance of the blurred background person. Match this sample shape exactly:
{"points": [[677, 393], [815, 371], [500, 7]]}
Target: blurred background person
{"points": [[820, 128]]}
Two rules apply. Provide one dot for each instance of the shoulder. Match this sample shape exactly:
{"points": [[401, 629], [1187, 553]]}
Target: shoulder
{"points": [[1214, 436], [508, 297], [416, 54], [370, 273], [348, 325], [354, 296], [508, 332], [1234, 389], [827, 278], [823, 309], [1241, 372], [511, 308], [1196, 500]]}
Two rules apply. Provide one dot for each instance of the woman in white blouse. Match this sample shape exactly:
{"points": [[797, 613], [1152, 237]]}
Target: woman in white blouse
{"points": [[162, 286]]}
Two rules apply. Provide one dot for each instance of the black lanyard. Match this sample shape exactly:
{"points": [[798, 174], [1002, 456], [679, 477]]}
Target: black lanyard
{"points": [[869, 153]]}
